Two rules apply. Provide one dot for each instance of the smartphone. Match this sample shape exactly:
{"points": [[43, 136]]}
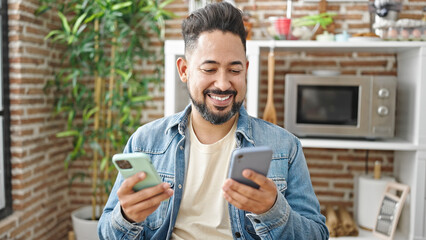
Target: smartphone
{"points": [[128, 164], [257, 159]]}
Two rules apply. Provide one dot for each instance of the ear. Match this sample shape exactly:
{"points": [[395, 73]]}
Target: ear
{"points": [[247, 66], [182, 68]]}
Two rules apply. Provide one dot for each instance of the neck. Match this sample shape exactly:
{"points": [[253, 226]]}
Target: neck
{"points": [[208, 133]]}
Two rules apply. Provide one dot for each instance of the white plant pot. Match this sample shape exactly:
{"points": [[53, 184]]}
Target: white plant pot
{"points": [[84, 227]]}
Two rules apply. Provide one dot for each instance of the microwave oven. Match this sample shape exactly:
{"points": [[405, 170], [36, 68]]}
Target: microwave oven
{"points": [[340, 106]]}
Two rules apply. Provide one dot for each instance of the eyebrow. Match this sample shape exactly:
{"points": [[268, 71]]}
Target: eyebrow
{"points": [[215, 62]]}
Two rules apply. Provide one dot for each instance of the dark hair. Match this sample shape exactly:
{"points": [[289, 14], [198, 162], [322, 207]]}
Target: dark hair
{"points": [[215, 16]]}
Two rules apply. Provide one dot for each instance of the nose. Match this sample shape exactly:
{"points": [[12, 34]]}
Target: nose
{"points": [[222, 82]]}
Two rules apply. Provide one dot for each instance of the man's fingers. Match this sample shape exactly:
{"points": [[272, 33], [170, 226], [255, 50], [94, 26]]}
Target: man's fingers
{"points": [[242, 190], [147, 193], [259, 179], [137, 210], [130, 182], [250, 199]]}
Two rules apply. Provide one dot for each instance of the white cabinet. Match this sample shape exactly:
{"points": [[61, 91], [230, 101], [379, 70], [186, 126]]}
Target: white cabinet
{"points": [[410, 141]]}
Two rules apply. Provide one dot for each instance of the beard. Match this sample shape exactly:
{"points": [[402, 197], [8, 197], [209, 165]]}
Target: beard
{"points": [[222, 116]]}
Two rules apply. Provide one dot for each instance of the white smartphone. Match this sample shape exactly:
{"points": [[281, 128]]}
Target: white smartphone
{"points": [[257, 159], [131, 163]]}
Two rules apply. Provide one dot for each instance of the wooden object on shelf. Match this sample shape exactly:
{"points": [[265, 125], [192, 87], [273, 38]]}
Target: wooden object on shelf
{"points": [[340, 223], [71, 235], [270, 113], [332, 222], [348, 224], [377, 170]]}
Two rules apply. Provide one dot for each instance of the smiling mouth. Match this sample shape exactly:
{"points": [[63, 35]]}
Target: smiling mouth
{"points": [[220, 98]]}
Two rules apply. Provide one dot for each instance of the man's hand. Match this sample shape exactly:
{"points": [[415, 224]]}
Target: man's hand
{"points": [[246, 198], [137, 206]]}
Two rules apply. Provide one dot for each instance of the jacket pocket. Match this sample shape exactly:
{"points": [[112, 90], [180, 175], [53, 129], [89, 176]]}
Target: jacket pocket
{"points": [[281, 184], [156, 219]]}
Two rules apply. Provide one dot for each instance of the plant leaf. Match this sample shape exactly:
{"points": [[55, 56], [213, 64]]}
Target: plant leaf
{"points": [[140, 99], [165, 3], [118, 6], [68, 133], [42, 9], [64, 23], [78, 23]]}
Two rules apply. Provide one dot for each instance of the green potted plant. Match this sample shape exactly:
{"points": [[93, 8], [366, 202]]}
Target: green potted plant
{"points": [[96, 87], [308, 27]]}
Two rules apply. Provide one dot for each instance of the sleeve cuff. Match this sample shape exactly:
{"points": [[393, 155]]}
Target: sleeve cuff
{"points": [[121, 224], [276, 216]]}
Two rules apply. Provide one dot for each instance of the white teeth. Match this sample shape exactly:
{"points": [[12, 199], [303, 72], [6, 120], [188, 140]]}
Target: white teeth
{"points": [[220, 98]]}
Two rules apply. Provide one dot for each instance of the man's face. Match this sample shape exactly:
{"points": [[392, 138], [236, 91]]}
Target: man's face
{"points": [[216, 73]]}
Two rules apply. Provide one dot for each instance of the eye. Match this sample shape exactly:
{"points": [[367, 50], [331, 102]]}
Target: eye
{"points": [[208, 70], [235, 71]]}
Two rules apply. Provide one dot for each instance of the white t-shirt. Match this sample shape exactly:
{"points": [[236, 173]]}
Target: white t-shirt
{"points": [[203, 213]]}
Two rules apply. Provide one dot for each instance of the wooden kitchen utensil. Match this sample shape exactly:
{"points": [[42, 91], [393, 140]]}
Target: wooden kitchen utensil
{"points": [[270, 114]]}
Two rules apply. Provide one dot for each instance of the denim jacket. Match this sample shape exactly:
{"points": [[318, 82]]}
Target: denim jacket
{"points": [[295, 214]]}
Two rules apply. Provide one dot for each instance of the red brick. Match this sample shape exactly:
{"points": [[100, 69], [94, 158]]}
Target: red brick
{"points": [[22, 227], [33, 40], [25, 102], [377, 63], [25, 18], [410, 7], [26, 164], [7, 226], [348, 17], [320, 184], [330, 193], [344, 185], [355, 26], [410, 16], [318, 156], [21, 7], [27, 60], [336, 203], [38, 51], [332, 175], [19, 154], [327, 54], [23, 132], [357, 158], [313, 63], [41, 110], [333, 167], [357, 8], [36, 31], [375, 73]]}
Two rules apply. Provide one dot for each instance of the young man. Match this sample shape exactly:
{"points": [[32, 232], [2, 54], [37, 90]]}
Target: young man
{"points": [[191, 151]]}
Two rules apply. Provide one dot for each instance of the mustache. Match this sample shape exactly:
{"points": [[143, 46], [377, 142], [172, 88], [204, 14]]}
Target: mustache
{"points": [[219, 92]]}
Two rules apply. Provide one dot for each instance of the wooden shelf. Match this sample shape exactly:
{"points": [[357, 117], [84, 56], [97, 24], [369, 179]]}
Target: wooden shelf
{"points": [[367, 46], [395, 144]]}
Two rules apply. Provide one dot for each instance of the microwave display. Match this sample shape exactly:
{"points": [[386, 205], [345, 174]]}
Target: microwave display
{"points": [[328, 105]]}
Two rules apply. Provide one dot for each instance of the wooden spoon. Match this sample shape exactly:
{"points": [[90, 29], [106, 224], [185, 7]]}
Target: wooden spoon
{"points": [[270, 114]]}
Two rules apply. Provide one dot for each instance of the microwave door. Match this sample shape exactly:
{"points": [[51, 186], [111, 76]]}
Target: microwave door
{"points": [[328, 105], [330, 110]]}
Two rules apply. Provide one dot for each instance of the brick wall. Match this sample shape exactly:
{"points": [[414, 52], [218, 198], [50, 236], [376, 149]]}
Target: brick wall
{"points": [[42, 200], [39, 183]]}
